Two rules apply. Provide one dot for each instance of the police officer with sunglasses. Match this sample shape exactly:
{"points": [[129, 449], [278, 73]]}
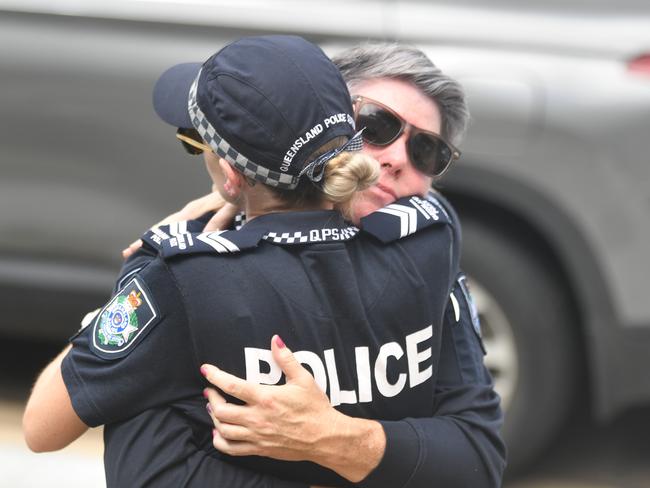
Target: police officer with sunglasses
{"points": [[411, 114]]}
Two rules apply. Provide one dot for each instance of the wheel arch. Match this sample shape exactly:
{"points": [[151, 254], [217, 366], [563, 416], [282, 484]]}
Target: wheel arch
{"points": [[477, 191]]}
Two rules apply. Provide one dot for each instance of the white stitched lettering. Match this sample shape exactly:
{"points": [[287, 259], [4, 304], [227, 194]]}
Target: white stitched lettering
{"points": [[324, 368], [254, 357], [415, 358]]}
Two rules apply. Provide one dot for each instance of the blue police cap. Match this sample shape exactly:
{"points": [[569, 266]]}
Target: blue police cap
{"points": [[262, 103]]}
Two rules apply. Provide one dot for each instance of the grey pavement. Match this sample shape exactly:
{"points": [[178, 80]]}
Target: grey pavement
{"points": [[78, 466], [613, 456]]}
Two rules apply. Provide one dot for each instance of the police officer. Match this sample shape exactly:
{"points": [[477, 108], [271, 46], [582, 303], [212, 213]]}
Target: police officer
{"points": [[382, 288]]}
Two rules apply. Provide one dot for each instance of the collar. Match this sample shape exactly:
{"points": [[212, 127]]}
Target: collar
{"points": [[400, 219], [285, 228]]}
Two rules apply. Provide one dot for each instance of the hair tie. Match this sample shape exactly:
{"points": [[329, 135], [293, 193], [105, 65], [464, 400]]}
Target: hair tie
{"points": [[316, 169]]}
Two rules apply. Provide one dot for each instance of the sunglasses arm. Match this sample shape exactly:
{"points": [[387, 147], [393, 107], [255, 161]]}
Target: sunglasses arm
{"points": [[193, 143]]}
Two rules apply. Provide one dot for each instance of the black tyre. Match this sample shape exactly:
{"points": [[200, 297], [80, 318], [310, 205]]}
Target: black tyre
{"points": [[529, 330]]}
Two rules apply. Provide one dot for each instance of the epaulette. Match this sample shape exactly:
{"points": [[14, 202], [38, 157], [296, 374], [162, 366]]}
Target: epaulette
{"points": [[178, 234], [156, 236], [219, 241], [405, 217], [440, 203]]}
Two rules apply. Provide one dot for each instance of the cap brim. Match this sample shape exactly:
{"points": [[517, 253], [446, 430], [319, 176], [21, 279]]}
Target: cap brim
{"points": [[171, 92]]}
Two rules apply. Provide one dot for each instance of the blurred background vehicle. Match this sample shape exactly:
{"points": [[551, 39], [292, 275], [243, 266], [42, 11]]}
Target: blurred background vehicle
{"points": [[553, 188]]}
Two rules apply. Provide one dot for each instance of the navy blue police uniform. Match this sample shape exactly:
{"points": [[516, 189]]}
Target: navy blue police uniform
{"points": [[364, 310]]}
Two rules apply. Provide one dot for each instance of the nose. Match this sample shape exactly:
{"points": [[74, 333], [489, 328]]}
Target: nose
{"points": [[394, 157]]}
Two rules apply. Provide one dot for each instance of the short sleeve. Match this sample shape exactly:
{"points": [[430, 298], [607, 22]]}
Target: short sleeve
{"points": [[136, 354], [136, 262]]}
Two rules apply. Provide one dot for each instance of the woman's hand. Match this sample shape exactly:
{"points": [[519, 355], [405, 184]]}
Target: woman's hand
{"points": [[212, 202], [283, 422], [291, 422]]}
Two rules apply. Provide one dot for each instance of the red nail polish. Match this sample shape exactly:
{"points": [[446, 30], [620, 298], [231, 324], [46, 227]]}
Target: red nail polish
{"points": [[279, 342], [205, 393], [204, 371]]}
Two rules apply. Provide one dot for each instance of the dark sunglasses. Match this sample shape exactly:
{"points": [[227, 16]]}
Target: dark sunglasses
{"points": [[191, 141], [428, 152]]}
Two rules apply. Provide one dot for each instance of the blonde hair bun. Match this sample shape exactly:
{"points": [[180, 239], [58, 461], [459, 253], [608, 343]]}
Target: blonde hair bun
{"points": [[348, 173]]}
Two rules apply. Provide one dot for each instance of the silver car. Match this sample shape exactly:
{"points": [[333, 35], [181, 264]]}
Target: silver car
{"points": [[553, 188]]}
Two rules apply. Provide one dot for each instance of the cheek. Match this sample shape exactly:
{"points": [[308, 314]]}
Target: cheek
{"points": [[361, 207], [213, 170], [372, 151], [415, 183], [366, 202]]}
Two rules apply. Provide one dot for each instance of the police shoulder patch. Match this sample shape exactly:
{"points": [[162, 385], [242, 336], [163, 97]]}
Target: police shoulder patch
{"points": [[124, 321]]}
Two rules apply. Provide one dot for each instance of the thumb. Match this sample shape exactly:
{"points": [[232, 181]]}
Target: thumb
{"points": [[283, 356]]}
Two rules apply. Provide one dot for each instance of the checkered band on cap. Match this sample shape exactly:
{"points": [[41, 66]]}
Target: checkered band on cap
{"points": [[221, 147]]}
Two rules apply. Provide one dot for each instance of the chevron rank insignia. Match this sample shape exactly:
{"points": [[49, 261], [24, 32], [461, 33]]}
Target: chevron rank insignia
{"points": [[179, 234], [404, 217], [157, 236], [219, 241], [122, 323]]}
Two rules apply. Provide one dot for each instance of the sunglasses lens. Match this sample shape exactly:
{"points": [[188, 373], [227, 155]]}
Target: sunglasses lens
{"points": [[381, 127], [429, 154], [192, 134], [191, 149]]}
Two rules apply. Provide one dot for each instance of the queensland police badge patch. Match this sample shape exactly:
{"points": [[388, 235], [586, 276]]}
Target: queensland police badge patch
{"points": [[122, 322]]}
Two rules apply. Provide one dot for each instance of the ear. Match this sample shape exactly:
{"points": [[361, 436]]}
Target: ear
{"points": [[233, 179]]}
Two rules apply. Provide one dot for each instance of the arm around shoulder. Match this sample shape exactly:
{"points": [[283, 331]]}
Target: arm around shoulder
{"points": [[460, 444]]}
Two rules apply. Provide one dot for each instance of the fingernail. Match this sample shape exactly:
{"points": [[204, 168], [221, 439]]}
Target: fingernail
{"points": [[205, 393], [214, 432], [279, 342], [204, 371], [208, 407]]}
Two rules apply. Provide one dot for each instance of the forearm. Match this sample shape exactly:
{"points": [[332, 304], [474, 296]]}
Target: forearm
{"points": [[49, 421], [352, 447], [459, 444], [456, 447]]}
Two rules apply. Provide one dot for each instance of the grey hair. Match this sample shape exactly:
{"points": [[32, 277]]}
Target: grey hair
{"points": [[393, 60]]}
